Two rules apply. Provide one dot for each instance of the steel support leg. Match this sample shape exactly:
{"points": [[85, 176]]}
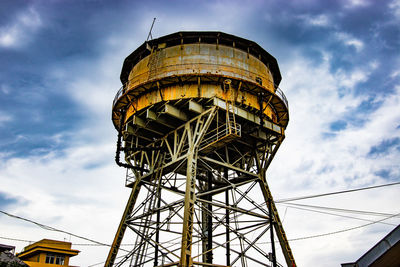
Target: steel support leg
{"points": [[158, 227], [122, 225], [209, 221], [287, 252], [271, 223], [228, 244], [188, 217]]}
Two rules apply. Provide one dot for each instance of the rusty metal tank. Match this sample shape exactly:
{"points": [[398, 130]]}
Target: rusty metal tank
{"points": [[193, 66], [200, 117]]}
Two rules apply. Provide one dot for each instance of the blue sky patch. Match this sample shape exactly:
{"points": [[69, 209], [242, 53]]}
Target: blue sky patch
{"points": [[385, 146], [338, 125], [328, 135], [387, 174], [6, 200]]}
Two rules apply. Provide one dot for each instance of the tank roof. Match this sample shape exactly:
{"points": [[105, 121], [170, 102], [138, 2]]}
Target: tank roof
{"points": [[189, 37]]}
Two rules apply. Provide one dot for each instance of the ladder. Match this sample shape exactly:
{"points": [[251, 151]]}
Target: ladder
{"points": [[230, 109], [154, 62]]}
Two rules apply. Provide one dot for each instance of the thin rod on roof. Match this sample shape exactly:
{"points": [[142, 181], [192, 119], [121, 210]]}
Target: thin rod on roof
{"points": [[151, 28]]}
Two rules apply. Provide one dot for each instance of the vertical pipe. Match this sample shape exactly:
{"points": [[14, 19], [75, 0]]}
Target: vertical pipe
{"points": [[271, 228], [228, 245], [209, 219], [158, 227], [204, 225]]}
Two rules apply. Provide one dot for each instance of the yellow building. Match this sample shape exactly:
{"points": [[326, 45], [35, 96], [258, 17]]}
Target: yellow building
{"points": [[47, 252]]}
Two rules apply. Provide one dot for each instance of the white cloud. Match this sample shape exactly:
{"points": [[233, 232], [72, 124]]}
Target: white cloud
{"points": [[5, 89], [350, 79], [66, 192], [18, 32], [309, 162], [356, 3], [4, 117], [349, 40], [321, 20], [395, 8]]}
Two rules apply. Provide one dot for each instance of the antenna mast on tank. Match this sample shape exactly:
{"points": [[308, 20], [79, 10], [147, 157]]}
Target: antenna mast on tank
{"points": [[151, 28]]}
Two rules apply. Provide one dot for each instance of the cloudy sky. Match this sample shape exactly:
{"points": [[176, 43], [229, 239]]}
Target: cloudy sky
{"points": [[60, 63]]}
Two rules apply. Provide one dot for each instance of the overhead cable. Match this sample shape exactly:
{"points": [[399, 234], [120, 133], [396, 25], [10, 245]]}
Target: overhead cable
{"points": [[334, 193], [362, 212], [337, 232], [344, 230], [54, 229], [335, 214]]}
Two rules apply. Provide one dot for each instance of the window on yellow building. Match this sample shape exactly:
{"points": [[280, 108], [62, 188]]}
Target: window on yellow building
{"points": [[60, 260], [50, 258], [55, 259]]}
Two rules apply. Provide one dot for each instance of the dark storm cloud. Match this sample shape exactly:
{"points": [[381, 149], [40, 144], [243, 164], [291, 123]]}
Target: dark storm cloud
{"points": [[361, 38], [314, 27], [74, 31], [39, 65], [9, 10], [30, 89]]}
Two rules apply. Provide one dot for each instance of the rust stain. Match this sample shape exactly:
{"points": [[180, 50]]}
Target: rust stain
{"points": [[202, 59]]}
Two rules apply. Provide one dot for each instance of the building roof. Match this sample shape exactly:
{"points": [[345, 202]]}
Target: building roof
{"points": [[385, 253], [190, 37], [48, 245], [7, 256], [6, 248]]}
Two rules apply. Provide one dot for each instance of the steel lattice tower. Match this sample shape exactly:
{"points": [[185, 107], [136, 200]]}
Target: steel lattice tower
{"points": [[199, 118]]}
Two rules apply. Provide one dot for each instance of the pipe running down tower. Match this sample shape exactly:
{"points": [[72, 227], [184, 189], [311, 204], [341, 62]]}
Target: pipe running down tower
{"points": [[199, 118]]}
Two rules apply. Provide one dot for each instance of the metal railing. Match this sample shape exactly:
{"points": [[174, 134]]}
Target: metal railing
{"points": [[120, 92], [220, 132], [198, 68], [189, 68], [282, 96]]}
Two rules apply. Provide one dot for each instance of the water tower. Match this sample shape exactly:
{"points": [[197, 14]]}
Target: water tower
{"points": [[199, 118]]}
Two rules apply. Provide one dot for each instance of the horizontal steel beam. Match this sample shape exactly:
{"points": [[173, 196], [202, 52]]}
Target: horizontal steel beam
{"points": [[229, 166], [248, 116], [175, 112], [195, 107]]}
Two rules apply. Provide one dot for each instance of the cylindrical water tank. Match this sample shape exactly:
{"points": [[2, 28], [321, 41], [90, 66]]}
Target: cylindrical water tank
{"points": [[194, 65]]}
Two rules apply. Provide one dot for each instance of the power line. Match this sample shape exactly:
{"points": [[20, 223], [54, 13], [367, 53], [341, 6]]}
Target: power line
{"points": [[387, 215], [97, 243], [16, 239], [337, 232], [325, 234], [49, 228], [49, 242], [280, 201], [334, 193], [335, 214], [344, 230], [99, 263], [103, 244], [362, 212]]}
